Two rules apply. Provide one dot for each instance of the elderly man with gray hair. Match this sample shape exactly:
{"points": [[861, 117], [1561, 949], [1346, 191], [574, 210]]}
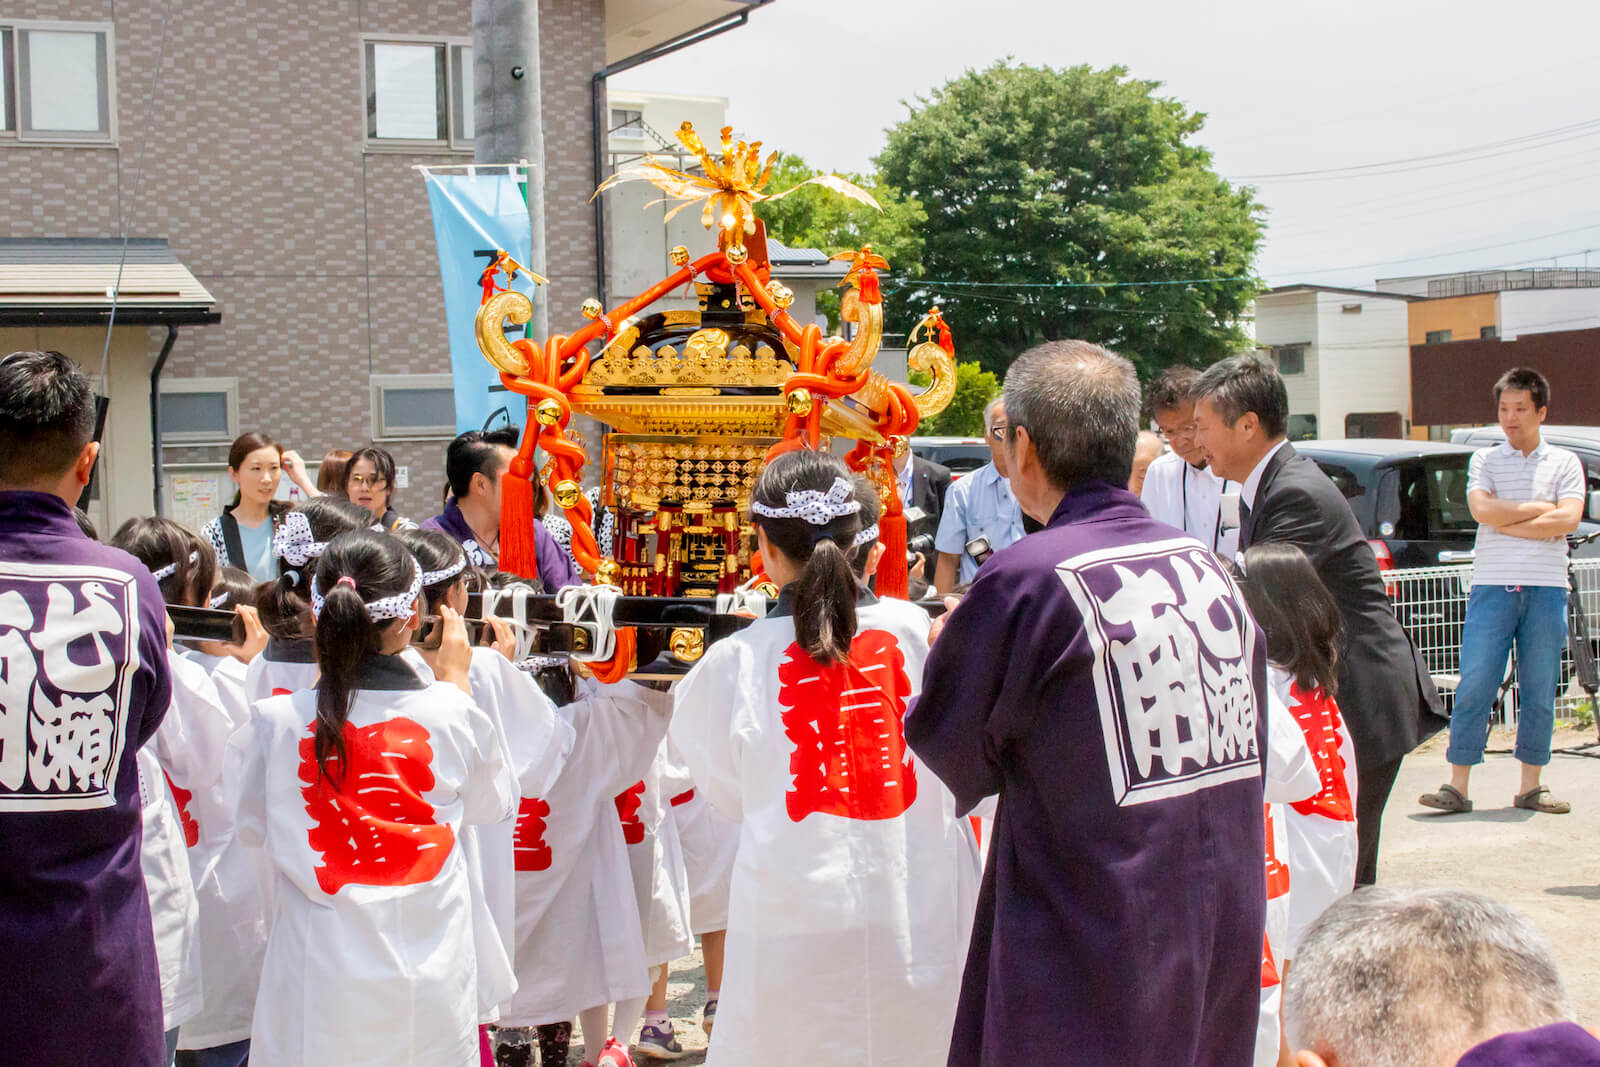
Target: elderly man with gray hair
{"points": [[1105, 679], [1429, 978]]}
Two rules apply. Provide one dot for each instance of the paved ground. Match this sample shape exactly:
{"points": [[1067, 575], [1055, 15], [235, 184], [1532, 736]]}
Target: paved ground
{"points": [[1546, 866]]}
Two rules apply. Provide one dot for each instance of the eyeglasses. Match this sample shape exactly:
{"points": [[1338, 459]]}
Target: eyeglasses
{"points": [[1177, 431], [998, 432], [369, 481]]}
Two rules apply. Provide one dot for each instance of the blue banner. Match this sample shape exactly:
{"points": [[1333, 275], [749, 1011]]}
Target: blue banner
{"points": [[475, 213]]}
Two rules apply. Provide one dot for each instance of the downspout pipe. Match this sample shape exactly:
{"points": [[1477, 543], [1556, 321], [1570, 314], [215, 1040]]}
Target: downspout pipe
{"points": [[600, 118], [155, 412]]}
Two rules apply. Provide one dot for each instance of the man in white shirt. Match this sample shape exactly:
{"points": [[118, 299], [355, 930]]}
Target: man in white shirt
{"points": [[980, 515], [1180, 488], [1527, 495]]}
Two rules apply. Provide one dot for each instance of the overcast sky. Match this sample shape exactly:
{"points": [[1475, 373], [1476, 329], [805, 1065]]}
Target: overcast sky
{"points": [[1287, 86]]}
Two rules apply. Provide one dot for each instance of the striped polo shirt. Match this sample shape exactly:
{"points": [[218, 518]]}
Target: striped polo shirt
{"points": [[1546, 473]]}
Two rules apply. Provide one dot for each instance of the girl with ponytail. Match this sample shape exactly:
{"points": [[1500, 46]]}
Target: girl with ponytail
{"points": [[853, 871], [359, 790], [288, 663], [534, 740]]}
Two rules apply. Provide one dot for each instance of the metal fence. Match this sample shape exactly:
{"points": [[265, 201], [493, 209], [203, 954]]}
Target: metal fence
{"points": [[1431, 603]]}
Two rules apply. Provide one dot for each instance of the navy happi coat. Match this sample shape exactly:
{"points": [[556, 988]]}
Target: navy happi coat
{"points": [[1105, 679]]}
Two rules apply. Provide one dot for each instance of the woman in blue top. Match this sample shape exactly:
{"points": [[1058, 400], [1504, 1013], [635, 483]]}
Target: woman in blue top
{"points": [[242, 534]]}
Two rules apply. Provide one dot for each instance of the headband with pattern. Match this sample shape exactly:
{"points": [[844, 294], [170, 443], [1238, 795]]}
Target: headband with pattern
{"points": [[433, 578], [866, 536], [813, 505], [294, 543], [399, 606], [161, 574]]}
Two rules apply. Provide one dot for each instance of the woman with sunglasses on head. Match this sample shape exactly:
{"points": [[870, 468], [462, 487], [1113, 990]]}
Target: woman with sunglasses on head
{"points": [[369, 481], [242, 535]]}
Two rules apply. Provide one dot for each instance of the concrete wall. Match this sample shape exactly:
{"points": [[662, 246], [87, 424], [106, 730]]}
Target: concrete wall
{"points": [[1363, 359], [1525, 311], [320, 251]]}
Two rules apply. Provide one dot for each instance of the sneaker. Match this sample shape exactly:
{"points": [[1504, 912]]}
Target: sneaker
{"points": [[708, 1017], [615, 1054], [658, 1043]]}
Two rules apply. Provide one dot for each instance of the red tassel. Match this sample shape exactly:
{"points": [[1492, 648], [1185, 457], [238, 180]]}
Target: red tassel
{"points": [[517, 553], [893, 577]]}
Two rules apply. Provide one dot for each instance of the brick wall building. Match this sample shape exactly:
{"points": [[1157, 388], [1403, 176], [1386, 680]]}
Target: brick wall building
{"points": [[260, 170]]}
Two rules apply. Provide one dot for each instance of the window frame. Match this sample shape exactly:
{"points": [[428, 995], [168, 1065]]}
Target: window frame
{"points": [[106, 138], [452, 141], [229, 387], [382, 383], [623, 130], [1437, 337], [1277, 358]]}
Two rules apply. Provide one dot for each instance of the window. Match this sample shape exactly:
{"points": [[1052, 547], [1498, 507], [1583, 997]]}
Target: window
{"points": [[56, 81], [199, 411], [1437, 337], [1302, 428], [1291, 359], [418, 93], [1488, 333], [410, 406], [627, 123]]}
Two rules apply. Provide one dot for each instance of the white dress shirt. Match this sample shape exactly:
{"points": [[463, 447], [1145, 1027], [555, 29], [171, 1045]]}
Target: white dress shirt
{"points": [[1195, 500], [1252, 484]]}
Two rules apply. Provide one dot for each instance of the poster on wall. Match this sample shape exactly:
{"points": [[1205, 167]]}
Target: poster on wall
{"points": [[196, 498]]}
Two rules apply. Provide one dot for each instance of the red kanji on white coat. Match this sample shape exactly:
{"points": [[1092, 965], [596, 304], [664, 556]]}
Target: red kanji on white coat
{"points": [[1319, 720], [374, 827], [847, 725], [528, 849]]}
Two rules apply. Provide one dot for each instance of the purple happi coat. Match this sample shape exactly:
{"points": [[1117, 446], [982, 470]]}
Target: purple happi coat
{"points": [[83, 684], [555, 568], [1105, 679]]}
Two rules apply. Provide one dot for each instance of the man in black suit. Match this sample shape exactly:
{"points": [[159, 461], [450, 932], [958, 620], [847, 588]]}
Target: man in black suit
{"points": [[923, 484], [1388, 700]]}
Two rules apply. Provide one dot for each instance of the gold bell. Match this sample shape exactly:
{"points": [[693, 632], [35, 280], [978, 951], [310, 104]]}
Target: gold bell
{"points": [[607, 572], [679, 256], [568, 492], [799, 402], [766, 589], [737, 254], [591, 308], [547, 412], [900, 445], [781, 294]]}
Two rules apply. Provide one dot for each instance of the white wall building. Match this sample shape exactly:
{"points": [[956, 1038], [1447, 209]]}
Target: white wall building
{"points": [[1344, 357]]}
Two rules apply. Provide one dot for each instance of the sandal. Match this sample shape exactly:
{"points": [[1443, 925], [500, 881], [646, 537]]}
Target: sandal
{"points": [[1537, 799], [1448, 798]]}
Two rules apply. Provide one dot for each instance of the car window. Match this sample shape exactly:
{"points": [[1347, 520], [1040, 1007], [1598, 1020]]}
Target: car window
{"points": [[1433, 502], [1349, 484]]}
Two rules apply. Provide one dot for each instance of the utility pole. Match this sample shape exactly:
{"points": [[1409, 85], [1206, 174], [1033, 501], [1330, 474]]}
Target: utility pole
{"points": [[508, 116]]}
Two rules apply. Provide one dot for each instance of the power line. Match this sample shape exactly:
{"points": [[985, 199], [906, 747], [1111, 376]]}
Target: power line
{"points": [[1457, 155]]}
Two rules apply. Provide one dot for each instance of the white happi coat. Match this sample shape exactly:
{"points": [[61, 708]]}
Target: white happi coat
{"points": [[371, 958], [710, 841], [852, 895], [1321, 829], [228, 880], [269, 676], [183, 762], [655, 856], [1291, 776], [534, 743], [579, 941]]}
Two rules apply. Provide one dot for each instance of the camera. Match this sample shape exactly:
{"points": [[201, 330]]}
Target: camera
{"points": [[980, 550]]}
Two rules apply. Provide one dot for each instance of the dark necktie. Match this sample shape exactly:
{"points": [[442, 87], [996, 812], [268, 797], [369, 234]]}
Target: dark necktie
{"points": [[1244, 525]]}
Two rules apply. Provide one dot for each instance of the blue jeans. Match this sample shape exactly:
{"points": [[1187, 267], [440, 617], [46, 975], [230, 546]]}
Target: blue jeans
{"points": [[1535, 617]]}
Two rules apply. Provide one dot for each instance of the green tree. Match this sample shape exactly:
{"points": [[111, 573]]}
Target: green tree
{"points": [[817, 218], [1032, 177], [975, 387]]}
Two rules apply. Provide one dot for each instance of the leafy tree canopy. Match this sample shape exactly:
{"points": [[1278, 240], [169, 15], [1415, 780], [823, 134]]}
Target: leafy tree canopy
{"points": [[1030, 177]]}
